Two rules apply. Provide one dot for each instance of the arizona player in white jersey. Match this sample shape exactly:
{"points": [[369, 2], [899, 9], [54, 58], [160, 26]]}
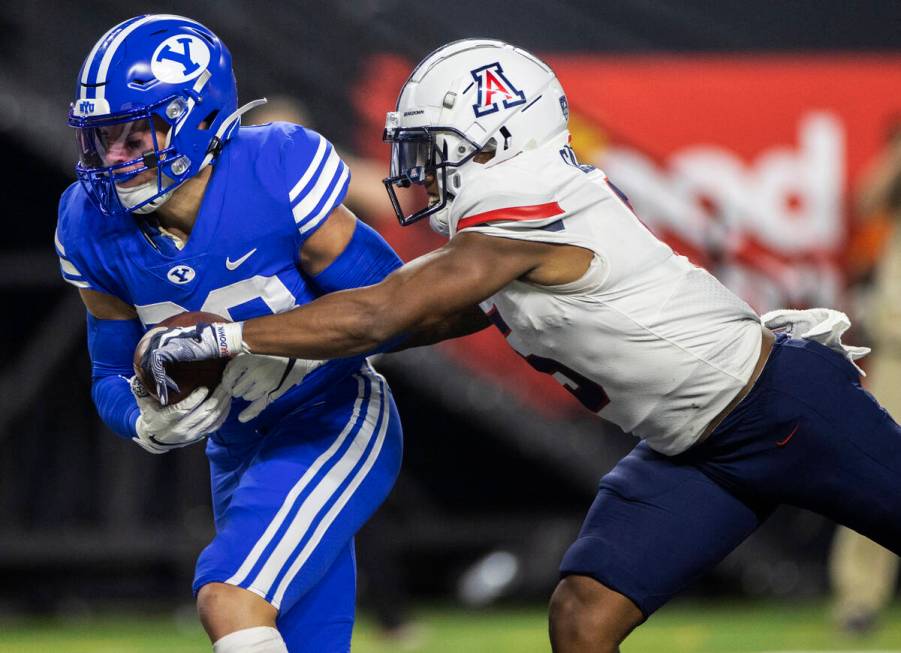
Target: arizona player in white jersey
{"points": [[179, 208], [734, 420]]}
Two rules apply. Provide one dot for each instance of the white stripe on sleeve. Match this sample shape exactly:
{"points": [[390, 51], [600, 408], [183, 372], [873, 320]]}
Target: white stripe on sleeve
{"points": [[68, 268], [320, 187], [327, 207], [314, 164], [77, 284], [58, 242]]}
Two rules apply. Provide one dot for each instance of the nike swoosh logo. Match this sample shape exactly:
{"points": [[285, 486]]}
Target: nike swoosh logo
{"points": [[782, 443], [233, 265]]}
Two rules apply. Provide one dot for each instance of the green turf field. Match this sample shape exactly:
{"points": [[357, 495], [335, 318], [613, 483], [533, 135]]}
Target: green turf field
{"points": [[683, 627]]}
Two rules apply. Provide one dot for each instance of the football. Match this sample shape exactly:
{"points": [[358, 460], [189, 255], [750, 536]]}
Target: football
{"points": [[188, 375]]}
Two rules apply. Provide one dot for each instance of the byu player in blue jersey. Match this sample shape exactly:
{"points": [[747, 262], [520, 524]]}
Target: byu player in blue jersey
{"points": [[178, 208]]}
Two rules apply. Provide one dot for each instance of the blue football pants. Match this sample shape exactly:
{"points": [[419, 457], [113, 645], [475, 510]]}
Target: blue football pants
{"points": [[287, 507]]}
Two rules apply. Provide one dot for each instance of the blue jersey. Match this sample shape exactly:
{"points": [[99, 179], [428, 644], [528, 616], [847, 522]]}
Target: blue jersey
{"points": [[271, 188]]}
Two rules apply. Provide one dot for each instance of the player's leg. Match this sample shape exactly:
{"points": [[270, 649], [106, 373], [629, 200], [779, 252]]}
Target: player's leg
{"points": [[811, 436], [656, 525], [587, 616], [225, 609], [323, 619], [856, 458], [863, 573], [314, 481], [237, 619]]}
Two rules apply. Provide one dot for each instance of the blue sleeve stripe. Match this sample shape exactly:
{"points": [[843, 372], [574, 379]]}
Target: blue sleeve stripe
{"points": [[310, 171], [339, 188], [319, 188]]}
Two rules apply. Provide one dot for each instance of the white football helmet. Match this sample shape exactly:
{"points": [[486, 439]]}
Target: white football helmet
{"points": [[467, 97]]}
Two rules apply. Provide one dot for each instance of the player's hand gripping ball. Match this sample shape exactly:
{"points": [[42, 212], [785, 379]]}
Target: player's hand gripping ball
{"points": [[188, 375]]}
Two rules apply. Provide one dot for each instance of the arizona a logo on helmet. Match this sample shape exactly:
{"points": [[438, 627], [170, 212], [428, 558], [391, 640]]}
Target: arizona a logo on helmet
{"points": [[493, 86]]}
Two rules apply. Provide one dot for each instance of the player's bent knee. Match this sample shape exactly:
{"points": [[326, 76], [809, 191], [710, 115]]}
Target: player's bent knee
{"points": [[587, 616], [225, 609]]}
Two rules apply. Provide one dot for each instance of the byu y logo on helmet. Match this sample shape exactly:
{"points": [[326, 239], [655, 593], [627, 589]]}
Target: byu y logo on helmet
{"points": [[180, 58]]}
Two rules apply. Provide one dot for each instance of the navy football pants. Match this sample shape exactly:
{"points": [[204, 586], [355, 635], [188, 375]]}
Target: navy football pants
{"points": [[807, 435]]}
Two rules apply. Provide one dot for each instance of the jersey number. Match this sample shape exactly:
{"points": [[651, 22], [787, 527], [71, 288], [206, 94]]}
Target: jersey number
{"points": [[220, 301], [590, 394]]}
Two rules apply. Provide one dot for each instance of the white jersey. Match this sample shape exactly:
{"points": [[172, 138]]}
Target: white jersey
{"points": [[645, 339]]}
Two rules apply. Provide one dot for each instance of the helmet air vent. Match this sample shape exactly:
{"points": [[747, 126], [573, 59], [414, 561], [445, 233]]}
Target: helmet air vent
{"points": [[209, 120]]}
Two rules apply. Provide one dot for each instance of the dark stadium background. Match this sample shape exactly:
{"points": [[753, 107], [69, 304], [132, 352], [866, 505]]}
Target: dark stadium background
{"points": [[86, 518]]}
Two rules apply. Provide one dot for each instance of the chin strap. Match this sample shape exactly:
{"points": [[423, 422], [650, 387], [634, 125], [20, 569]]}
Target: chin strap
{"points": [[233, 119], [130, 197]]}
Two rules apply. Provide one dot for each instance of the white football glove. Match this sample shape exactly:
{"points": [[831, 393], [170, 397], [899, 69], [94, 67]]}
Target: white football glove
{"points": [[162, 428], [263, 379], [823, 325], [195, 343]]}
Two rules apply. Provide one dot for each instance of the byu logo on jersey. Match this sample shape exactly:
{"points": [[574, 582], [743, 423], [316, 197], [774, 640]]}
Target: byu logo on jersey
{"points": [[181, 274], [493, 86], [180, 58]]}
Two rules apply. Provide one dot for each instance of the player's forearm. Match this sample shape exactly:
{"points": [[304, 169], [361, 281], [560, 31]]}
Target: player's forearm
{"points": [[461, 324], [334, 326], [116, 404], [111, 345], [422, 293]]}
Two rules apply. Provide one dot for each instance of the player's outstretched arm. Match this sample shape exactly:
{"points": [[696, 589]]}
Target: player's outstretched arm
{"points": [[464, 323], [416, 297], [345, 253]]}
